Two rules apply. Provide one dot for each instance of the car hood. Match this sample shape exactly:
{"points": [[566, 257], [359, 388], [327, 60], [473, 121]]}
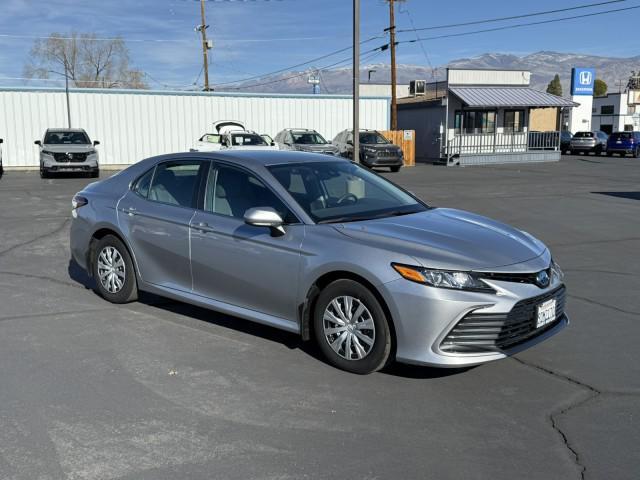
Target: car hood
{"points": [[68, 148], [327, 147], [449, 239]]}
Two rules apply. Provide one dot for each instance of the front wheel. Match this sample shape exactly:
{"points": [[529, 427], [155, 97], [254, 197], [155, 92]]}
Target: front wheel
{"points": [[43, 172], [636, 153], [113, 271], [395, 169], [351, 328]]}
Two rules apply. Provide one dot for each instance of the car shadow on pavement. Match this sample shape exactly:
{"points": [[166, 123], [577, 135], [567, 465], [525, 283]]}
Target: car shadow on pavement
{"points": [[628, 195], [79, 275], [290, 340]]}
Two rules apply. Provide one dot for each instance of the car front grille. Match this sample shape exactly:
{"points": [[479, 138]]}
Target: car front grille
{"points": [[62, 157], [489, 332]]}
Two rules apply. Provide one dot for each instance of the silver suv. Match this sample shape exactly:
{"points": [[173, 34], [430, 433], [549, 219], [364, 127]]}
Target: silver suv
{"points": [[67, 150], [585, 142], [304, 140]]}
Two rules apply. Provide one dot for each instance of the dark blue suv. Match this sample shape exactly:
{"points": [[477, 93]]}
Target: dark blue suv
{"points": [[623, 143]]}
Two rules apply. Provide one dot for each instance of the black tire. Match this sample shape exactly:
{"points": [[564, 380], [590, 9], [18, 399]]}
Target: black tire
{"points": [[636, 153], [609, 154], [95, 174], [43, 172], [598, 150], [573, 152], [128, 292], [377, 355], [395, 169]]}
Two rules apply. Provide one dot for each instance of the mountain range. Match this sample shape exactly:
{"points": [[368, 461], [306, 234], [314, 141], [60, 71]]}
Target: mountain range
{"points": [[543, 66]]}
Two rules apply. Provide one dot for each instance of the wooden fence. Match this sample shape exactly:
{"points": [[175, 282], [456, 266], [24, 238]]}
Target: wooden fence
{"points": [[406, 140]]}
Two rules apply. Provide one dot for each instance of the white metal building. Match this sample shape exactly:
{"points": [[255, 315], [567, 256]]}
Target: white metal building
{"points": [[135, 124], [615, 112]]}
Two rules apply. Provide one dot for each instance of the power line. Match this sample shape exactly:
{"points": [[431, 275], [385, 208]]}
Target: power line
{"points": [[514, 17], [519, 25], [375, 52], [286, 69]]}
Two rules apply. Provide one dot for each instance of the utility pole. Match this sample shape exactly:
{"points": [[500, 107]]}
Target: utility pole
{"points": [[66, 91], [205, 46], [356, 81], [394, 81]]}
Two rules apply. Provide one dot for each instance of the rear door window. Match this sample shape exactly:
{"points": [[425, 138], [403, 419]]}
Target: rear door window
{"points": [[141, 187], [177, 183]]}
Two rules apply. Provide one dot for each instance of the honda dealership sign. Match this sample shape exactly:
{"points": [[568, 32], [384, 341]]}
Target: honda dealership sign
{"points": [[582, 81]]}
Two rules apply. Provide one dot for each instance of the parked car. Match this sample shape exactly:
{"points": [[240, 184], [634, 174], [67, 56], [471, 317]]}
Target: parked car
{"points": [[624, 143], [209, 142], [322, 248], [565, 141], [304, 140], [375, 149], [68, 150], [1, 166], [231, 134], [585, 142], [267, 138]]}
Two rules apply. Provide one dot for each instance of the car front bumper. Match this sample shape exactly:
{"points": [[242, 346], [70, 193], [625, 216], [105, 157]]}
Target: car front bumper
{"points": [[88, 165], [381, 161], [424, 316]]}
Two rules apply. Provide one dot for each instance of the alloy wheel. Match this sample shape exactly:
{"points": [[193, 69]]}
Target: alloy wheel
{"points": [[111, 269], [348, 327]]}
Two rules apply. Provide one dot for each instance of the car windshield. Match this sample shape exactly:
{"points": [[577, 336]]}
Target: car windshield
{"points": [[66, 138], [583, 135], [308, 138], [332, 192], [242, 139], [372, 138]]}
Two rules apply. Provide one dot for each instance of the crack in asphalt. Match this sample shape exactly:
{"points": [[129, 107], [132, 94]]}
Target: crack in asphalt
{"points": [[45, 278], [592, 394], [36, 239], [604, 305]]}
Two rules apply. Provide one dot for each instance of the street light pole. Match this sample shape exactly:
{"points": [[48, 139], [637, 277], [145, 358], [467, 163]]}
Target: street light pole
{"points": [[356, 81], [66, 89]]}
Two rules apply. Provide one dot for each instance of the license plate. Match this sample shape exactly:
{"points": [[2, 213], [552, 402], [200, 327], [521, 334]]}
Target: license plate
{"points": [[619, 141], [546, 313]]}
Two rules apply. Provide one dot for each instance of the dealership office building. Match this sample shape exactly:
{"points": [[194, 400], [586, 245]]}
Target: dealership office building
{"points": [[484, 116]]}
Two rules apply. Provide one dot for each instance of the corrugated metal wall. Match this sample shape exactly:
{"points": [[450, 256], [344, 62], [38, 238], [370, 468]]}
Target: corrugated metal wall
{"points": [[462, 76], [133, 125]]}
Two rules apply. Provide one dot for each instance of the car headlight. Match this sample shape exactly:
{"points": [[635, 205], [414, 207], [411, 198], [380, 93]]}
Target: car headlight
{"points": [[556, 272], [369, 149], [455, 280], [47, 152], [92, 152]]}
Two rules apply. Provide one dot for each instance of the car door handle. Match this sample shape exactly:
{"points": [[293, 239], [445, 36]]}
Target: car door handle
{"points": [[202, 227], [131, 211]]}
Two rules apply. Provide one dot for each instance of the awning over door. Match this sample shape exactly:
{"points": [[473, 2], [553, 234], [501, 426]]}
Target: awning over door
{"points": [[487, 97]]}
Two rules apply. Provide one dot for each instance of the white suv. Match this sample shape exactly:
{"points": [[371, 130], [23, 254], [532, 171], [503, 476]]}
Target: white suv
{"points": [[231, 135]]}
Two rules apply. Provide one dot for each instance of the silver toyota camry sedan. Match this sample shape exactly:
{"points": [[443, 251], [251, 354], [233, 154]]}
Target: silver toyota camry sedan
{"points": [[323, 248]]}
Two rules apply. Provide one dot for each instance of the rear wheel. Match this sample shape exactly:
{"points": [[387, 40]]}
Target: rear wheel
{"points": [[113, 271], [351, 328], [609, 154]]}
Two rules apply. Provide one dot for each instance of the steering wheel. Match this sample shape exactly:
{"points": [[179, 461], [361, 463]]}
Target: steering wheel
{"points": [[347, 196]]}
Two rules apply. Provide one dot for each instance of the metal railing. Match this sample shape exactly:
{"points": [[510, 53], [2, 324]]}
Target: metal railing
{"points": [[498, 143]]}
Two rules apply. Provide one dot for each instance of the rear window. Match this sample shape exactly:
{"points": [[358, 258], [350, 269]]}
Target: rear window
{"points": [[583, 135], [622, 136]]}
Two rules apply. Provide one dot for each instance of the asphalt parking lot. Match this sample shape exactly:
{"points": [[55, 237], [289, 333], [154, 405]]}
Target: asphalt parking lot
{"points": [[162, 390]]}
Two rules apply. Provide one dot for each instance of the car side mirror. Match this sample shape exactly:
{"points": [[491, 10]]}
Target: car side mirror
{"points": [[38, 142], [273, 144], [96, 142], [265, 217]]}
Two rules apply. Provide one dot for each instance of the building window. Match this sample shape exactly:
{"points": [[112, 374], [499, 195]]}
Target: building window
{"points": [[475, 121], [628, 128], [513, 121], [606, 110]]}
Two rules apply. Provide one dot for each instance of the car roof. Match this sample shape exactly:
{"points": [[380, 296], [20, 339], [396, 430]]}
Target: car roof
{"points": [[253, 158], [66, 130]]}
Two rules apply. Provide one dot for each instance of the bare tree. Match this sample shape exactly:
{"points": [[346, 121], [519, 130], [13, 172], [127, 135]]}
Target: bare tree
{"points": [[88, 61]]}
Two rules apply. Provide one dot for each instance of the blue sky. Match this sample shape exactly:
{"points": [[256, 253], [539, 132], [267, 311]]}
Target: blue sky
{"points": [[257, 36]]}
